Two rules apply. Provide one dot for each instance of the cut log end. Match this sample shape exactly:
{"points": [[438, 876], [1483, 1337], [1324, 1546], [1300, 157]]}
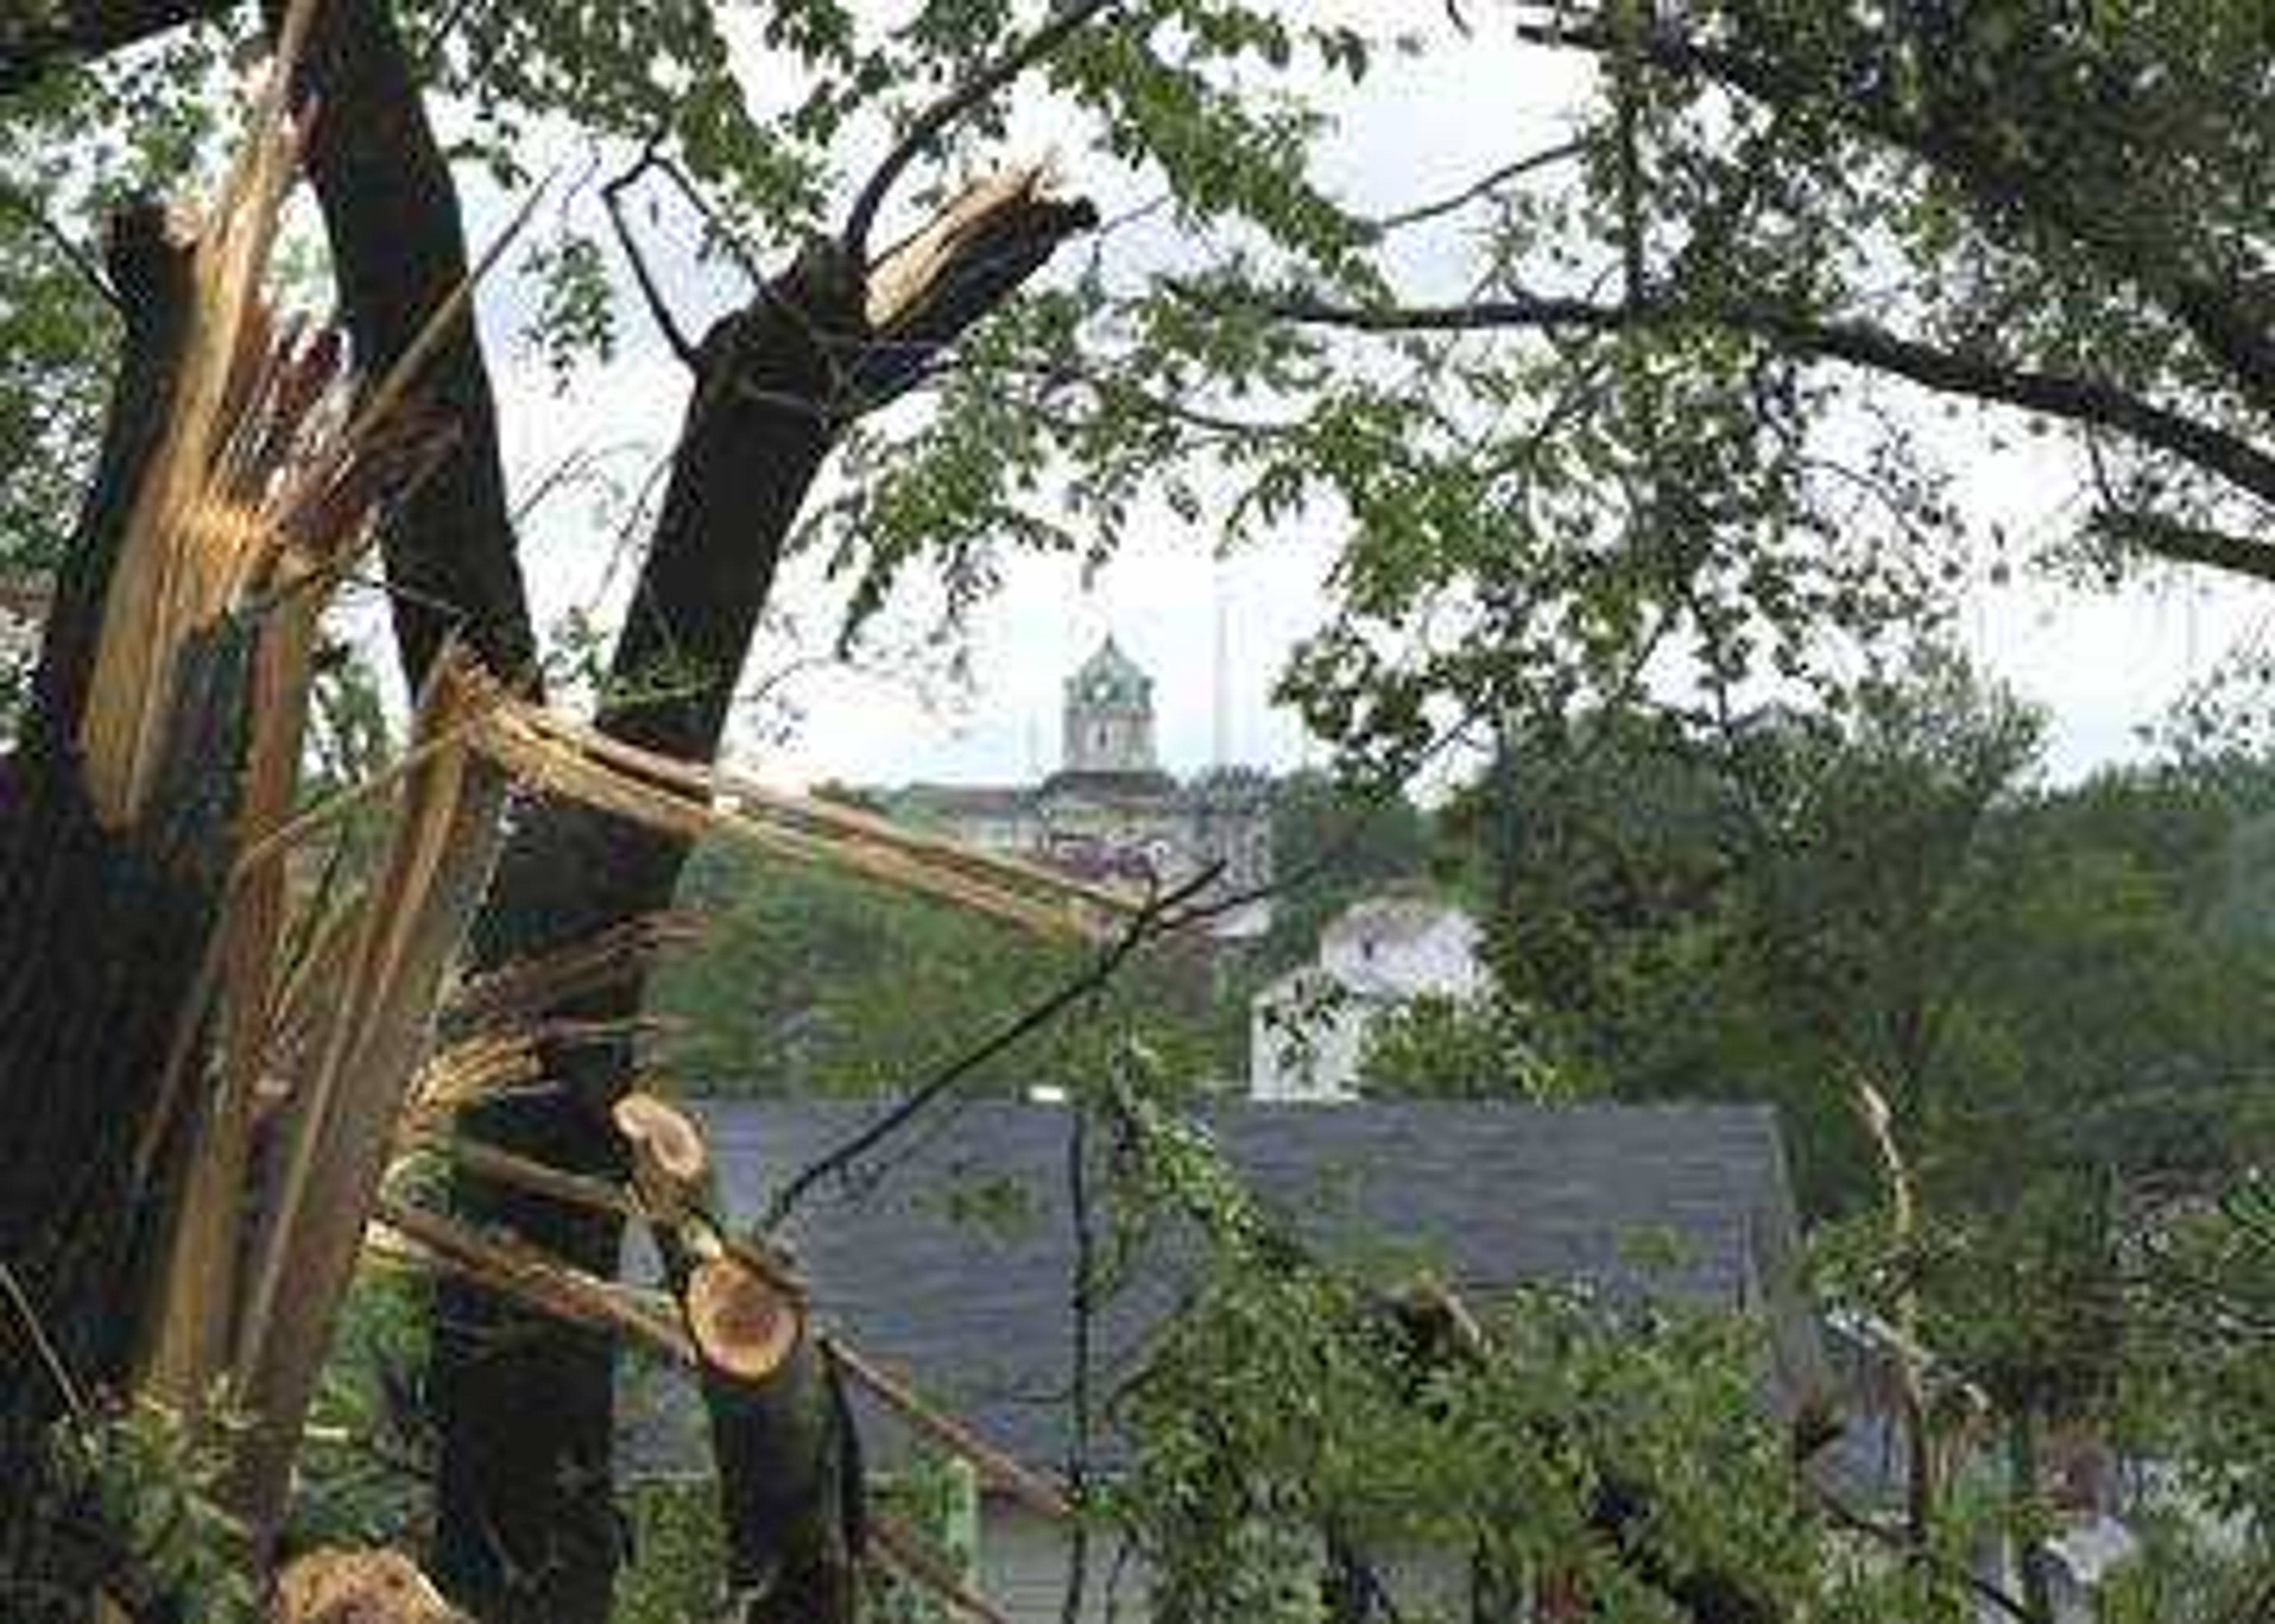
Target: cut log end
{"points": [[664, 1136], [742, 1323]]}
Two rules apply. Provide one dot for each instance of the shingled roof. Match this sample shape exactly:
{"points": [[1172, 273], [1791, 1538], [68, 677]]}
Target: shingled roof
{"points": [[955, 1267]]}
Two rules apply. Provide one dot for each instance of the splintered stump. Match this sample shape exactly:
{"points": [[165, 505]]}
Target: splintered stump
{"points": [[104, 922]]}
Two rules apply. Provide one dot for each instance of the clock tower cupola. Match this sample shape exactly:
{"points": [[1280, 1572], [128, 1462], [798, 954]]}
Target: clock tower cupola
{"points": [[1110, 715]]}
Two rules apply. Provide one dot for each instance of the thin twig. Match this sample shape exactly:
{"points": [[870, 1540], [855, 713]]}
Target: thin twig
{"points": [[611, 196], [722, 231], [1483, 185], [78, 258], [935, 120], [430, 47], [1159, 915], [74, 1400]]}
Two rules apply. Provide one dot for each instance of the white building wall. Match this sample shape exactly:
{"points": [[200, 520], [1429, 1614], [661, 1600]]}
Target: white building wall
{"points": [[1406, 949], [1308, 1030], [1307, 1035]]}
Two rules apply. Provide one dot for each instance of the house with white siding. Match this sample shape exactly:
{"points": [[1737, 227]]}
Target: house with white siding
{"points": [[1308, 1029]]}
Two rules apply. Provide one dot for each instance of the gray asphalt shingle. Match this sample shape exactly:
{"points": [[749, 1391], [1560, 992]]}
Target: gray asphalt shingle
{"points": [[954, 1266]]}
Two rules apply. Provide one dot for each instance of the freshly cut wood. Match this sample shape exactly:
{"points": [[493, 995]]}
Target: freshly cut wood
{"points": [[671, 1165], [335, 1586], [742, 1323], [513, 1268]]}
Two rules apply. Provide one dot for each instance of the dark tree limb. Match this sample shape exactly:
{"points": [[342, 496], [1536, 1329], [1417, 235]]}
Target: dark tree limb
{"points": [[398, 254], [526, 1530], [1946, 133], [2162, 536], [2072, 396], [612, 196], [107, 927]]}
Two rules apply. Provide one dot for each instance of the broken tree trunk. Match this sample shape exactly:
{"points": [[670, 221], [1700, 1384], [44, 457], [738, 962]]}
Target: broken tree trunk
{"points": [[776, 382], [107, 925], [526, 1527], [162, 748]]}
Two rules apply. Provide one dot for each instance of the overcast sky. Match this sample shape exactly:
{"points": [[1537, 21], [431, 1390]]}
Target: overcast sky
{"points": [[1215, 631]]}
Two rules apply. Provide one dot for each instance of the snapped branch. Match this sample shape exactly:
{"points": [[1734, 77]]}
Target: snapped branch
{"points": [[933, 122], [2163, 536]]}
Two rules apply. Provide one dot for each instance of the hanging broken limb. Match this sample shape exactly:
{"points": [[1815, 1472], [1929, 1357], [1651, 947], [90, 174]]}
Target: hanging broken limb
{"points": [[1159, 916], [1271, 1305]]}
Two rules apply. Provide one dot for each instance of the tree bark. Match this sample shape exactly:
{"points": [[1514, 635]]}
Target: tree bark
{"points": [[398, 247], [527, 1528], [106, 930]]}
